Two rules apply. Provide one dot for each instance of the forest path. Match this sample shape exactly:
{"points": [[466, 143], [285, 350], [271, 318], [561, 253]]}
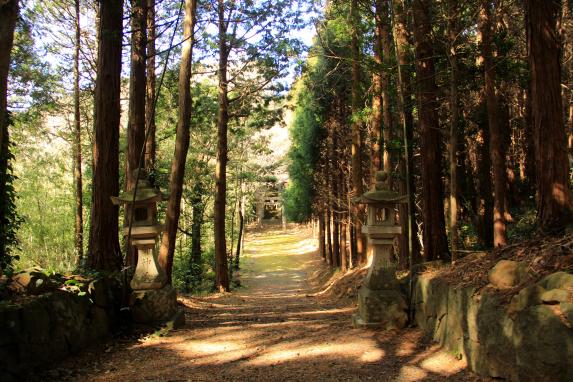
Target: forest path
{"points": [[272, 329]]}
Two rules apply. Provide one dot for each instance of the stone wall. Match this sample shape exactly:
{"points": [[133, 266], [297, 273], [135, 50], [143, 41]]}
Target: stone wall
{"points": [[47, 328], [529, 339]]}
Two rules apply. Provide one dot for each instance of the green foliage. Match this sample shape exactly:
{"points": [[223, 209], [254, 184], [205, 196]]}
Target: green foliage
{"points": [[10, 220], [304, 132], [45, 195], [325, 82], [32, 81], [194, 277]]}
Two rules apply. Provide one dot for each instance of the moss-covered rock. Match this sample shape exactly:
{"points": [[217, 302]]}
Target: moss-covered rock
{"points": [[527, 340], [556, 296], [31, 281], [558, 280], [49, 327], [507, 274]]}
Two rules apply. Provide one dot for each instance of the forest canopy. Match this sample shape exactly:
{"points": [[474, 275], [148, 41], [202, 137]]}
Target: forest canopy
{"points": [[467, 105]]}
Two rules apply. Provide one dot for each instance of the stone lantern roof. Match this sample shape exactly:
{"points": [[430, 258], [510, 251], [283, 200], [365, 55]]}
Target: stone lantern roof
{"points": [[380, 193], [145, 193]]}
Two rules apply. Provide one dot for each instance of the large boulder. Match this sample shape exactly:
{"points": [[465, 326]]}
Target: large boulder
{"points": [[529, 340], [558, 280], [527, 297], [544, 346], [556, 296], [567, 310], [507, 274], [31, 281]]}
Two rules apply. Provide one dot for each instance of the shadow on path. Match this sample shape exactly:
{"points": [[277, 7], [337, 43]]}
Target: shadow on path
{"points": [[271, 330]]}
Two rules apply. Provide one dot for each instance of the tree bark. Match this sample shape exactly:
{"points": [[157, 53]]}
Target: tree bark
{"points": [[77, 146], [484, 202], [377, 89], [329, 236], [221, 262], [150, 143], [386, 100], [8, 14], [554, 200], [356, 153], [168, 240], [321, 235], [335, 240], [406, 120], [241, 232], [104, 251], [435, 240], [343, 246], [496, 144], [452, 32], [137, 83], [197, 209]]}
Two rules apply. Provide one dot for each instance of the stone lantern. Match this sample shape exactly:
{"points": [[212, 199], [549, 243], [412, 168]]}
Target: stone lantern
{"points": [[144, 232], [152, 299], [380, 302]]}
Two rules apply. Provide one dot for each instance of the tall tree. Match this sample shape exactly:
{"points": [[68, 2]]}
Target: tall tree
{"points": [[356, 152], [137, 89], [554, 200], [173, 211], [409, 242], [377, 89], [8, 14], [453, 31], [77, 145], [104, 251], [221, 262], [496, 136], [150, 143], [383, 19], [435, 240], [251, 39]]}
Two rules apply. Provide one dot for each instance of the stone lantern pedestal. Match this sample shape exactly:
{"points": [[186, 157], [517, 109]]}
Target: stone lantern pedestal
{"points": [[380, 302], [152, 299]]}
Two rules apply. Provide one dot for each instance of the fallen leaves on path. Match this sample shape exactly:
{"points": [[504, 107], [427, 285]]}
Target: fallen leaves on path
{"points": [[279, 327]]}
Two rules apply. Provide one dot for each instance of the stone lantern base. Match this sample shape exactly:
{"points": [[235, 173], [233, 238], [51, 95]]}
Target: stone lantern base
{"points": [[153, 306], [148, 273], [384, 309]]}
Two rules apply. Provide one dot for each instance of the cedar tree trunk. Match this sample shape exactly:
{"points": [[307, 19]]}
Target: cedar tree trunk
{"points": [[453, 30], [137, 84], [167, 249], [406, 119], [77, 145], [356, 153], [8, 15], [150, 143], [496, 143], [435, 240], [221, 261], [554, 200], [104, 251]]}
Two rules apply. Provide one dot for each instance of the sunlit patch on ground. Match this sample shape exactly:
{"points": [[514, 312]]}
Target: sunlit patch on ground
{"points": [[277, 328]]}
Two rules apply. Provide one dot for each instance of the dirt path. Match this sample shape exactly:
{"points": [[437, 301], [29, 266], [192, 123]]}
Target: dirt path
{"points": [[270, 330]]}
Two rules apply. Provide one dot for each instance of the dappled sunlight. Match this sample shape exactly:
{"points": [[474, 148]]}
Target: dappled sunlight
{"points": [[372, 355], [441, 363], [411, 373], [274, 328], [207, 347], [406, 348]]}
